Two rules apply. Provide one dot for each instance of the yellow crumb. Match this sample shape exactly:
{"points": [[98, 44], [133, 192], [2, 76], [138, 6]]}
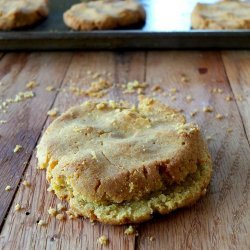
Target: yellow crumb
{"points": [[184, 78], [53, 112], [157, 88], [130, 230], [17, 207], [60, 217], [41, 223], [208, 109], [209, 138], [31, 85], [151, 238], [101, 105], [21, 96], [173, 98], [50, 88], [3, 121], [229, 98], [17, 148], [194, 113], [26, 183], [219, 116], [71, 214], [8, 188], [133, 86], [189, 98], [49, 189], [103, 240], [229, 130], [52, 211], [60, 207], [173, 90], [239, 98]]}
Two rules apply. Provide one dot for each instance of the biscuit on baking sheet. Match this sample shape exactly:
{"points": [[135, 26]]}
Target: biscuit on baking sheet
{"points": [[20, 13], [119, 164], [102, 15], [221, 15]]}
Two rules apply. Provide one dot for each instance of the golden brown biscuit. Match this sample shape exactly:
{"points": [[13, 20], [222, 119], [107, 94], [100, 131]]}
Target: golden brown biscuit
{"points": [[117, 164], [101, 15], [20, 13], [221, 15]]}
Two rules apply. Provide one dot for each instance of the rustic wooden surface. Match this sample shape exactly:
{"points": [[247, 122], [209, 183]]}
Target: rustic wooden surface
{"points": [[221, 220]]}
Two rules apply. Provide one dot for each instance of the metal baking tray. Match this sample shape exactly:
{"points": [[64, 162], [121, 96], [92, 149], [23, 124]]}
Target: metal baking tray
{"points": [[167, 27]]}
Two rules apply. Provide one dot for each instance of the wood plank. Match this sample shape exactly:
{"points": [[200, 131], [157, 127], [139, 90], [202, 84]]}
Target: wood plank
{"points": [[25, 119], [237, 66], [221, 219], [20, 230]]}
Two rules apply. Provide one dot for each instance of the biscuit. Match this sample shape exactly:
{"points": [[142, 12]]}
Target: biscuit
{"points": [[102, 15], [221, 15], [119, 164], [20, 13]]}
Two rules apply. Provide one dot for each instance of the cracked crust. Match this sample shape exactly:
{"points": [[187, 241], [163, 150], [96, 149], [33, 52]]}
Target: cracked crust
{"points": [[221, 15], [20, 13], [100, 15], [110, 154]]}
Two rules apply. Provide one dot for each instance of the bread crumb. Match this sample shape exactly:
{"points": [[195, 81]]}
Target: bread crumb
{"points": [[53, 112], [60, 207], [229, 130], [209, 138], [189, 98], [49, 189], [173, 98], [17, 207], [133, 86], [41, 223], [3, 121], [208, 109], [101, 105], [50, 88], [103, 240], [219, 116], [239, 98], [173, 90], [184, 78], [157, 88], [8, 188], [52, 211], [194, 113], [130, 230], [229, 98], [71, 214], [151, 238], [17, 148], [21, 96], [31, 85], [60, 216], [26, 183]]}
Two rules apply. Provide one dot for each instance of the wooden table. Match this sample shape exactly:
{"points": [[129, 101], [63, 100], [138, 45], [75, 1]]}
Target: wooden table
{"points": [[220, 220]]}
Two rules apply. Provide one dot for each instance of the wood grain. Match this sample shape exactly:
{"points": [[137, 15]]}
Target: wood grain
{"points": [[237, 65], [78, 234], [24, 119], [219, 221]]}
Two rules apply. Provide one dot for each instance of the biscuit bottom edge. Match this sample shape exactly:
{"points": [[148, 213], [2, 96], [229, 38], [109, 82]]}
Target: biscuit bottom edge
{"points": [[163, 202]]}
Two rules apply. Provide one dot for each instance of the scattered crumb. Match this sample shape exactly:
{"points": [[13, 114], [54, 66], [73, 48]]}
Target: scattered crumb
{"points": [[98, 89], [60, 207], [173, 90], [157, 88], [41, 223], [17, 207], [239, 98], [8, 188], [151, 238], [229, 130], [194, 113], [52, 211], [60, 216], [101, 105], [71, 214], [49, 189], [132, 87], [31, 85], [219, 116], [26, 183], [208, 109], [173, 98], [50, 88], [228, 98], [89, 72], [21, 96], [103, 240], [130, 230], [53, 112], [184, 78], [216, 90], [3, 121], [209, 138], [17, 148], [189, 98]]}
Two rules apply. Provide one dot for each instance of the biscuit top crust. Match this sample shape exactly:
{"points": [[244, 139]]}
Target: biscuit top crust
{"points": [[112, 152], [100, 11], [222, 15]]}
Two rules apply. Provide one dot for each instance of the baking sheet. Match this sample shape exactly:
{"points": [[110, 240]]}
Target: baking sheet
{"points": [[167, 27]]}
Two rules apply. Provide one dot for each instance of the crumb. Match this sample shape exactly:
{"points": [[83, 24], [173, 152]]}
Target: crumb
{"points": [[89, 72], [229, 98], [26, 183], [103, 240], [184, 78], [17, 148], [53, 112], [60, 207], [17, 207], [50, 88], [157, 88], [209, 138], [52, 211], [21, 96], [101, 105], [41, 223], [173, 90], [60, 217], [31, 85], [3, 121], [8, 188], [189, 98], [239, 98], [130, 230], [229, 130], [219, 116], [194, 113], [71, 214], [151, 238], [95, 75], [208, 109], [133, 86], [49, 189], [173, 98]]}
